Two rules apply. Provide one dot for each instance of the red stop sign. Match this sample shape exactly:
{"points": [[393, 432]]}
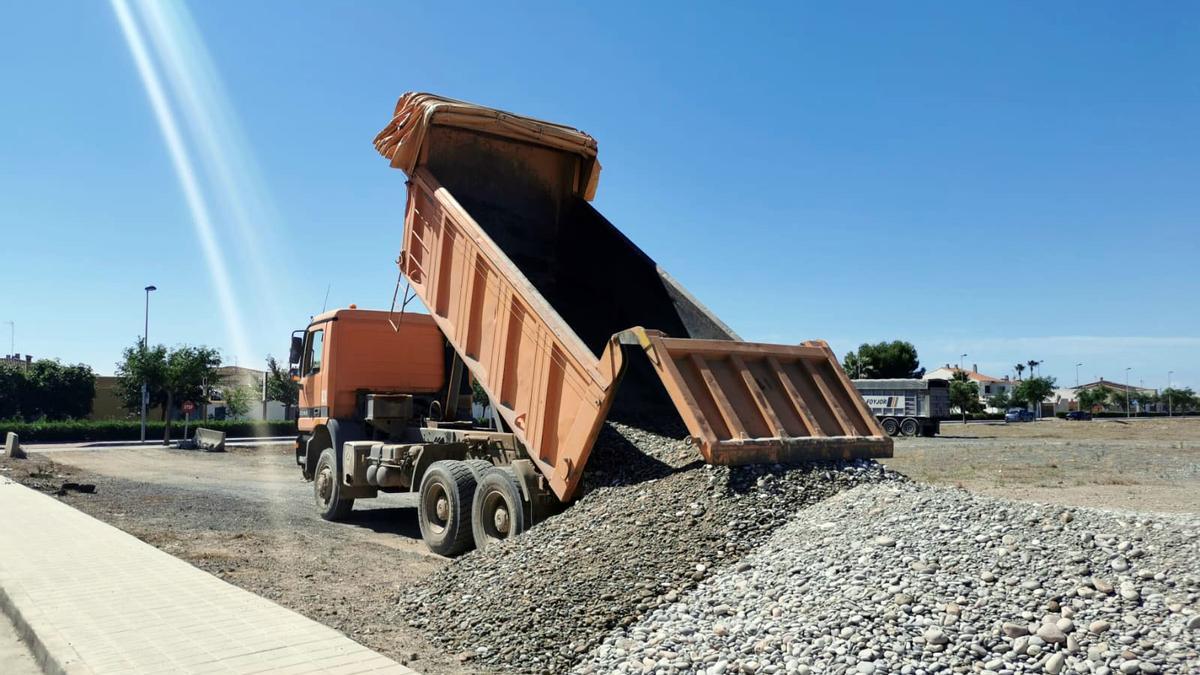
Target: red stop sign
{"points": [[188, 406]]}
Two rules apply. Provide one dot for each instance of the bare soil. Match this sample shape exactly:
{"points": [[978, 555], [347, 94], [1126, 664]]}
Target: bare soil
{"points": [[1136, 465]]}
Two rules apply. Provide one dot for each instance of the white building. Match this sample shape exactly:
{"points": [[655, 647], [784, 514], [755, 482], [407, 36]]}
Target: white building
{"points": [[988, 386]]}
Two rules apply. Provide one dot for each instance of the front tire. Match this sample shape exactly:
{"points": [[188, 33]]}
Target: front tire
{"points": [[327, 489], [444, 507], [498, 511]]}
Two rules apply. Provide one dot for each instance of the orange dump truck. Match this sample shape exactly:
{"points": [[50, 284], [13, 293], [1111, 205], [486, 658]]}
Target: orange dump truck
{"points": [[562, 321]]}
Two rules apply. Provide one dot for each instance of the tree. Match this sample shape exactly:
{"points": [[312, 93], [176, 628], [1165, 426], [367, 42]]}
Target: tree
{"points": [[1119, 398], [480, 397], [238, 399], [1032, 367], [964, 394], [1095, 396], [854, 366], [1035, 390], [171, 376], [1020, 368], [1180, 400], [884, 360], [138, 365], [188, 368], [47, 389], [280, 385], [1000, 401], [1147, 400], [11, 382]]}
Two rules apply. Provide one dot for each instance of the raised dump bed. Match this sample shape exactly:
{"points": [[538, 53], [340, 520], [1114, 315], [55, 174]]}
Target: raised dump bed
{"points": [[546, 302]]}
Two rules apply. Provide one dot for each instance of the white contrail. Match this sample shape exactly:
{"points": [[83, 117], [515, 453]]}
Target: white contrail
{"points": [[186, 174]]}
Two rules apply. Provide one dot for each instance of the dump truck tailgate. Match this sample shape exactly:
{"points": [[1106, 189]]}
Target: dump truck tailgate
{"points": [[747, 403]]}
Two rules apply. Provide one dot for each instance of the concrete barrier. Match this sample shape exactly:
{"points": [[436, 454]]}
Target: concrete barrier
{"points": [[209, 440], [12, 446]]}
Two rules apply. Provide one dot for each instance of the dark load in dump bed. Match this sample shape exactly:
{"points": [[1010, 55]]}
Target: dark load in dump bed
{"points": [[545, 301]]}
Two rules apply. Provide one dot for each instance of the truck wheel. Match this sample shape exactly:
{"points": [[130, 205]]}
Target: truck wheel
{"points": [[327, 489], [890, 426], [444, 507], [478, 467], [909, 427], [498, 511]]}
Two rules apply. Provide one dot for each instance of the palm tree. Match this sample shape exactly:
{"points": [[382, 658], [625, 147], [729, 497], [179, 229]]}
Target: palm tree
{"points": [[1033, 364], [1020, 369]]}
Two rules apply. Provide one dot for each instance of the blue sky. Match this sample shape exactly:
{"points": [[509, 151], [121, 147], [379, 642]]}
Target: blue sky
{"points": [[1009, 180]]}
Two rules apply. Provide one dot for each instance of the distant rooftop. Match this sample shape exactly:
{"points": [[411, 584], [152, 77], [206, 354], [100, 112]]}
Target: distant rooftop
{"points": [[947, 372]]}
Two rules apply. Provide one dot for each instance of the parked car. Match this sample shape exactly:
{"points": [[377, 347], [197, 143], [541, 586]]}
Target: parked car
{"points": [[1018, 415], [1080, 415]]}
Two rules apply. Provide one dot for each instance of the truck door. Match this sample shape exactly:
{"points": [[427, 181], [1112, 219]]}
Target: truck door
{"points": [[314, 380]]}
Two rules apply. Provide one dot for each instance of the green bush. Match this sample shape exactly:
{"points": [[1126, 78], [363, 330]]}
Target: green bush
{"points": [[66, 431]]}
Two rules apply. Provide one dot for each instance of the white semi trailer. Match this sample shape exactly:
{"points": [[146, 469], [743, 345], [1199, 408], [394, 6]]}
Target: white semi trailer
{"points": [[907, 407]]}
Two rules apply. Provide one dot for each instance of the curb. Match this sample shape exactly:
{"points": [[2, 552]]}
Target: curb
{"points": [[53, 654]]}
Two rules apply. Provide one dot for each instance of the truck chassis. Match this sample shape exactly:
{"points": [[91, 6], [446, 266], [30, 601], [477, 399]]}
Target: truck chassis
{"points": [[475, 485]]}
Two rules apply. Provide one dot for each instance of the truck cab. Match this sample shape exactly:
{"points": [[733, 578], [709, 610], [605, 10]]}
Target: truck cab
{"points": [[345, 353], [384, 406]]}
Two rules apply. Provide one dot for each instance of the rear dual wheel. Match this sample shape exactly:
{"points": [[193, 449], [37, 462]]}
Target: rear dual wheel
{"points": [[909, 427], [498, 511], [444, 507], [469, 503]]}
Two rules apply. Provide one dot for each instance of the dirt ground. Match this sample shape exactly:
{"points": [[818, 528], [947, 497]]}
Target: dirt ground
{"points": [[246, 517], [1137, 465]]}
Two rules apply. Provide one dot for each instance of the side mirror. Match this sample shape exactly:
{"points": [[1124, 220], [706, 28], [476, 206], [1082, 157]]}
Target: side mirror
{"points": [[295, 350]]}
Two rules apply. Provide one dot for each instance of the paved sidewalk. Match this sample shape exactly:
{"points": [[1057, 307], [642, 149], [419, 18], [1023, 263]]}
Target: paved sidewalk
{"points": [[89, 598]]}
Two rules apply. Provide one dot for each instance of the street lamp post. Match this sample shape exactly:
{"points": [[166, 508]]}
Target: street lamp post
{"points": [[1037, 407], [145, 342], [1127, 392], [1077, 374], [960, 361], [1169, 372], [12, 338]]}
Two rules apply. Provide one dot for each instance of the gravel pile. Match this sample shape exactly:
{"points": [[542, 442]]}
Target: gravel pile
{"points": [[654, 523], [905, 578]]}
